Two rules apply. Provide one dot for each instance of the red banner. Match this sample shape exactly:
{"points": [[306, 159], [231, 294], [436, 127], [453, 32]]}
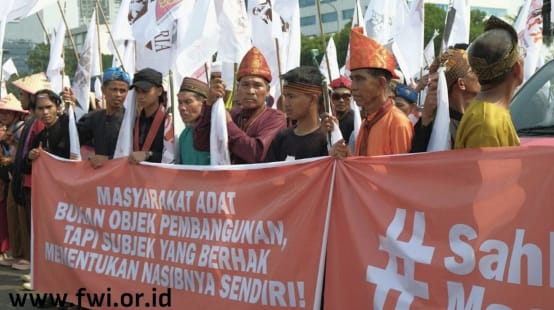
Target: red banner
{"points": [[141, 236], [471, 229]]}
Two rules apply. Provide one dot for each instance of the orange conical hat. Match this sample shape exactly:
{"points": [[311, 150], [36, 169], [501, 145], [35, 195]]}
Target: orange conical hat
{"points": [[254, 63], [367, 53]]}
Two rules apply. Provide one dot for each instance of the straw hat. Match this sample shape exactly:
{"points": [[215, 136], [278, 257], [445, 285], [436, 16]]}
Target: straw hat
{"points": [[33, 83], [10, 103]]}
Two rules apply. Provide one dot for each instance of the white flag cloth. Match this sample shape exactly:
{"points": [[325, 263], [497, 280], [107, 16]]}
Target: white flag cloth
{"points": [[168, 152], [529, 28], [235, 32], [8, 69], [124, 39], [156, 27], [440, 136], [333, 62], [357, 21], [357, 123], [383, 19], [219, 139], [456, 29], [429, 51], [23, 8], [197, 38], [288, 31], [88, 66], [124, 145], [74, 144], [336, 135], [408, 44], [56, 63]]}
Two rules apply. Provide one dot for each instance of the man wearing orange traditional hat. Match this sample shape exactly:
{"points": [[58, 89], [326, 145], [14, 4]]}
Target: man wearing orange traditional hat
{"points": [[253, 126], [385, 130]]}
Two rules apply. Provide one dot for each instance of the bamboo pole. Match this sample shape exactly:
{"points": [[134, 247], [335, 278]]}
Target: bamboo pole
{"points": [[68, 31], [279, 70], [111, 36], [98, 37], [327, 104], [43, 28]]}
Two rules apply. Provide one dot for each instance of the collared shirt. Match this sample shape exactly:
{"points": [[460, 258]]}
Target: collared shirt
{"points": [[100, 131], [392, 134], [486, 124], [246, 146]]}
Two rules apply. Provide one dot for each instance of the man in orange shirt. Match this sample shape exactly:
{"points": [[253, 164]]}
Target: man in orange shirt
{"points": [[385, 130]]}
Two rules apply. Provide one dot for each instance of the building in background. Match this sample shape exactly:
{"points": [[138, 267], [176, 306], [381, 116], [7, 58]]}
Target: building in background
{"points": [[335, 14], [21, 36]]}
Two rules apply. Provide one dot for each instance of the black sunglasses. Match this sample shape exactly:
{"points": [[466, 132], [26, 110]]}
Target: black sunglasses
{"points": [[341, 96]]}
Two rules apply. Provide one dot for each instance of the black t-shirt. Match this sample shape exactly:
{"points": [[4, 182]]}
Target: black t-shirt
{"points": [[55, 139], [287, 143], [99, 130]]}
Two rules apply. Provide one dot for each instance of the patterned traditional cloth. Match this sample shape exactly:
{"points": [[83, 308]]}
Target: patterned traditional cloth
{"points": [[455, 62], [367, 53], [196, 86], [486, 124], [254, 63]]}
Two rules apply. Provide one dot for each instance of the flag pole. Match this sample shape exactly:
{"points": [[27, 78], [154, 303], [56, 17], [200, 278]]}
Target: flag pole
{"points": [[98, 37], [327, 103], [68, 31], [43, 28], [279, 69], [111, 36], [172, 93]]}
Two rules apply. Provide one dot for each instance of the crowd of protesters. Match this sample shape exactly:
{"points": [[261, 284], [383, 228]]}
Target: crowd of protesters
{"points": [[481, 80]]}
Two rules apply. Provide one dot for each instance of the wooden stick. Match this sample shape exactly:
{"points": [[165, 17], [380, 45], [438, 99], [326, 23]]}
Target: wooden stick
{"points": [[69, 32], [43, 28], [111, 36], [98, 36]]}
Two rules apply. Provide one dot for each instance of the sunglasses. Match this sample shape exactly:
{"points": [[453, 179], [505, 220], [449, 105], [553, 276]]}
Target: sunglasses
{"points": [[341, 96]]}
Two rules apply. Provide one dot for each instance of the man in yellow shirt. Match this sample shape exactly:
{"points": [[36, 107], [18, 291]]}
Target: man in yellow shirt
{"points": [[496, 59], [385, 130]]}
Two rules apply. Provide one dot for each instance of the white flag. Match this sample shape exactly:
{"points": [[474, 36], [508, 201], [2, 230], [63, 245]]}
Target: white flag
{"points": [[383, 19], [124, 39], [288, 33], [88, 66], [197, 38], [357, 123], [331, 53], [74, 144], [8, 69], [56, 63], [235, 32], [529, 28], [440, 136], [23, 8], [456, 29], [429, 51], [408, 44], [124, 145], [357, 21], [219, 139]]}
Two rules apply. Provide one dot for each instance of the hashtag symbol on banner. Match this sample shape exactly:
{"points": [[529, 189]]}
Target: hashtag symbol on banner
{"points": [[409, 252]]}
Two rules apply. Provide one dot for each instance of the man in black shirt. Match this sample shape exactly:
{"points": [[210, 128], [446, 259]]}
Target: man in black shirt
{"points": [[148, 133], [303, 100], [100, 129]]}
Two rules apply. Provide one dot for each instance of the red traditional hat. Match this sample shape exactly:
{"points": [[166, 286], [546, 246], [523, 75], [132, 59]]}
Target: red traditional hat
{"points": [[254, 63], [367, 53], [342, 82]]}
